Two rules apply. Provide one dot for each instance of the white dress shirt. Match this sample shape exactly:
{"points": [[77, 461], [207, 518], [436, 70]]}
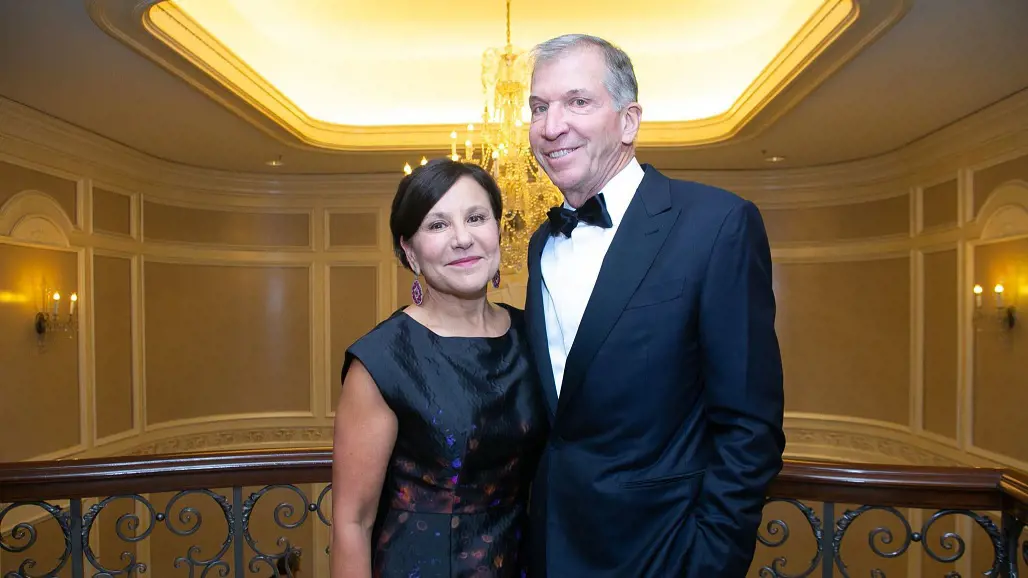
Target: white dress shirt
{"points": [[570, 265]]}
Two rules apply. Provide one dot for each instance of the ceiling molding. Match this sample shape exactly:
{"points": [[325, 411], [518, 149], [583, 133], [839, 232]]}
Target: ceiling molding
{"points": [[1000, 130], [41, 140], [834, 35], [51, 142]]}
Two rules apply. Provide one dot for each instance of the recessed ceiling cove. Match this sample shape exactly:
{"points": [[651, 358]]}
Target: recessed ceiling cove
{"points": [[399, 74]]}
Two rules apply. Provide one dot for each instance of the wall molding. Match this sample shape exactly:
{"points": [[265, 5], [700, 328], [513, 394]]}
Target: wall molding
{"points": [[813, 436], [1000, 129], [843, 438]]}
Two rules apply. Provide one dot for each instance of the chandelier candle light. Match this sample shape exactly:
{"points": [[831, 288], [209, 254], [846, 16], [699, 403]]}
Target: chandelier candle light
{"points": [[501, 147]]}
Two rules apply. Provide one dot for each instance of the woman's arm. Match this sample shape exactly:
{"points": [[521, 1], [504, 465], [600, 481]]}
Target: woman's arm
{"points": [[365, 431]]}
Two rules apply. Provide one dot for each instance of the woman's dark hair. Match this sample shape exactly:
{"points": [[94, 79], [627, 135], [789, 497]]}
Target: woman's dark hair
{"points": [[421, 190]]}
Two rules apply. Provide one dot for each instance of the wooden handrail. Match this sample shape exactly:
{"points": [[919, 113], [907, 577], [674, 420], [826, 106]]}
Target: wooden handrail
{"points": [[893, 485], [906, 486], [22, 481]]}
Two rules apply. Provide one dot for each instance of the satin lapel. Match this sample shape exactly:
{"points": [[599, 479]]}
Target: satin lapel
{"points": [[535, 318], [639, 237]]}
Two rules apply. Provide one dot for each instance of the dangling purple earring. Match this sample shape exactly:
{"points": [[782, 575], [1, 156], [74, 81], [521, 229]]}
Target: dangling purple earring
{"points": [[415, 291], [496, 280]]}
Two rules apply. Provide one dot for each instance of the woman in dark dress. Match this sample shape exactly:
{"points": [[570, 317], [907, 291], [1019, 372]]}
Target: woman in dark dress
{"points": [[441, 421]]}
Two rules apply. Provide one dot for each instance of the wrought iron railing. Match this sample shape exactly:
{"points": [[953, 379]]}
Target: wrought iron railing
{"points": [[814, 517]]}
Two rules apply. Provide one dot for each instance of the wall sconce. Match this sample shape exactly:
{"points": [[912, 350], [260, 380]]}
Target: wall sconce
{"points": [[1006, 314], [48, 320]]}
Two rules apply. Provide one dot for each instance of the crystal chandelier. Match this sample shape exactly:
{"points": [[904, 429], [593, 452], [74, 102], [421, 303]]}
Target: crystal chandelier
{"points": [[501, 147]]}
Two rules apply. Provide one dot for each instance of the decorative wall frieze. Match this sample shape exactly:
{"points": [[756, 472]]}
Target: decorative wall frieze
{"points": [[865, 447], [240, 439], [808, 436], [49, 142]]}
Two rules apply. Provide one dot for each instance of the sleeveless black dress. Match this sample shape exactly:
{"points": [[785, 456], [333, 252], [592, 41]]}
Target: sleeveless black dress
{"points": [[472, 424]]}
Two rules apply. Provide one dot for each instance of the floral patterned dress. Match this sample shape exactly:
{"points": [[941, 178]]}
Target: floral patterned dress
{"points": [[471, 426]]}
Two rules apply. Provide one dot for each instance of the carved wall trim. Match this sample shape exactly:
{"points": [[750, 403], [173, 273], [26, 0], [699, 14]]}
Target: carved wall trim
{"points": [[809, 436], [1005, 213], [862, 447], [240, 439], [842, 437], [34, 217]]}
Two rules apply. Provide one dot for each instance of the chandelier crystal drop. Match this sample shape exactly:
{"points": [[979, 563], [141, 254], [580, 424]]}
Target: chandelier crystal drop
{"points": [[500, 146]]}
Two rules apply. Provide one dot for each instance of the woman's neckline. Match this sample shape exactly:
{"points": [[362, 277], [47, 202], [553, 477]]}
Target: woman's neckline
{"points": [[510, 326]]}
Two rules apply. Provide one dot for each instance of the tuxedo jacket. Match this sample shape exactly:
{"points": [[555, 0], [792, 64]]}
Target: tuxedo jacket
{"points": [[668, 427]]}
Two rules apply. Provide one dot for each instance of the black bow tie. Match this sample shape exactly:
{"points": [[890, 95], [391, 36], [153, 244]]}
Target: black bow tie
{"points": [[593, 212]]}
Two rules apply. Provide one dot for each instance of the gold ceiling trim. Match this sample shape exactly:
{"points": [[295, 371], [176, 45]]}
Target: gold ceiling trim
{"points": [[165, 34]]}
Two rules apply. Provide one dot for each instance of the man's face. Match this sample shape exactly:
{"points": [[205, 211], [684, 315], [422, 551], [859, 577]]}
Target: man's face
{"points": [[577, 135]]}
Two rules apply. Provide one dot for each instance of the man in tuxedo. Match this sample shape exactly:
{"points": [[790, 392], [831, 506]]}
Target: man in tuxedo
{"points": [[651, 318]]}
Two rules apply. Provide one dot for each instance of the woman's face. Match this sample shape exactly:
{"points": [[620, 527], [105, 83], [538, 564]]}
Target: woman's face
{"points": [[457, 246]]}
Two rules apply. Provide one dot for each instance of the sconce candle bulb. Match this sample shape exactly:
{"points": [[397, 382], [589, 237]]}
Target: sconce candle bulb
{"points": [[1007, 315], [47, 320]]}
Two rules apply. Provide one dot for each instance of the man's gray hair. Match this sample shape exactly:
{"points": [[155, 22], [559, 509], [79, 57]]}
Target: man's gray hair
{"points": [[620, 81]]}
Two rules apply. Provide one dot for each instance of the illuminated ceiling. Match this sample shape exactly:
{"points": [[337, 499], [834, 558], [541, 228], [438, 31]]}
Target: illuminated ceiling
{"points": [[357, 75], [875, 90], [342, 62]]}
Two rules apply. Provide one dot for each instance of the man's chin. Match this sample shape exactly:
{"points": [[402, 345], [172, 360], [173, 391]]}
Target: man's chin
{"points": [[565, 180]]}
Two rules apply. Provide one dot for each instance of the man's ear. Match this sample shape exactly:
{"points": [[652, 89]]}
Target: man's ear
{"points": [[631, 117], [409, 252]]}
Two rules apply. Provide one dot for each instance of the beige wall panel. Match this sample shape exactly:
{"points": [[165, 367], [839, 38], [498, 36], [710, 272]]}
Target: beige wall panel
{"points": [[36, 387], [982, 551], [1000, 394], [933, 540], [111, 546], [986, 180], [799, 549], [210, 536], [353, 308], [46, 552], [939, 205], [226, 340], [404, 279], [238, 228], [112, 298], [855, 552], [353, 229], [845, 335], [839, 222], [266, 533], [15, 179], [940, 343], [112, 212]]}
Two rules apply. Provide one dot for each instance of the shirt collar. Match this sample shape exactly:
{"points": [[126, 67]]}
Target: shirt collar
{"points": [[619, 191]]}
